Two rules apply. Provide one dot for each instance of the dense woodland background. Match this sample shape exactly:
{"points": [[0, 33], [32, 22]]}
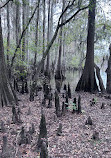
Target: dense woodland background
{"points": [[55, 70]]}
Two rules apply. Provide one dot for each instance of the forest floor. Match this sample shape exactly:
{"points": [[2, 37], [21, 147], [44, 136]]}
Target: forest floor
{"points": [[76, 139]]}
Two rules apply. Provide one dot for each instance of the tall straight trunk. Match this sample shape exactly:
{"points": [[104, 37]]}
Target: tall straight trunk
{"points": [[51, 29], [36, 34], [27, 34], [60, 51], [8, 35], [63, 61], [17, 22], [48, 40], [23, 27], [51, 18], [64, 36], [87, 81], [44, 8], [6, 94]]}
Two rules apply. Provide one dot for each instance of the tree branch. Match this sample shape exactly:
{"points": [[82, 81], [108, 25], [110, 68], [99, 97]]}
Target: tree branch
{"points": [[67, 7], [5, 4], [65, 22]]}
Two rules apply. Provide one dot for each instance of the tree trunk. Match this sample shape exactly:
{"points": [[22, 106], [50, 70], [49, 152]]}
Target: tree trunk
{"points": [[108, 87], [51, 33], [51, 19], [87, 81], [6, 94], [36, 34], [59, 74], [64, 36], [23, 27], [8, 35], [48, 40], [17, 22], [44, 8], [27, 34]]}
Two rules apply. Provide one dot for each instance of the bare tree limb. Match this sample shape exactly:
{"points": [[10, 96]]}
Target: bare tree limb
{"points": [[5, 4], [65, 22], [64, 11]]}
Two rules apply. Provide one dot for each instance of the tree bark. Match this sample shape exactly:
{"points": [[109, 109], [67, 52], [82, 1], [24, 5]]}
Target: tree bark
{"points": [[108, 86], [87, 81]]}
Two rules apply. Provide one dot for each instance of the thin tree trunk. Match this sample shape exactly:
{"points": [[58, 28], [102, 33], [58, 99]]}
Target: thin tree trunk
{"points": [[64, 36], [27, 35], [51, 19], [17, 22], [51, 31], [36, 34], [23, 27], [63, 61], [48, 40], [8, 35], [44, 8]]}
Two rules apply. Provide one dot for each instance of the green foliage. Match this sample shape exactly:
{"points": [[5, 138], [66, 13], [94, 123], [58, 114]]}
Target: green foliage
{"points": [[20, 68], [95, 100], [16, 2], [32, 28], [69, 39]]}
